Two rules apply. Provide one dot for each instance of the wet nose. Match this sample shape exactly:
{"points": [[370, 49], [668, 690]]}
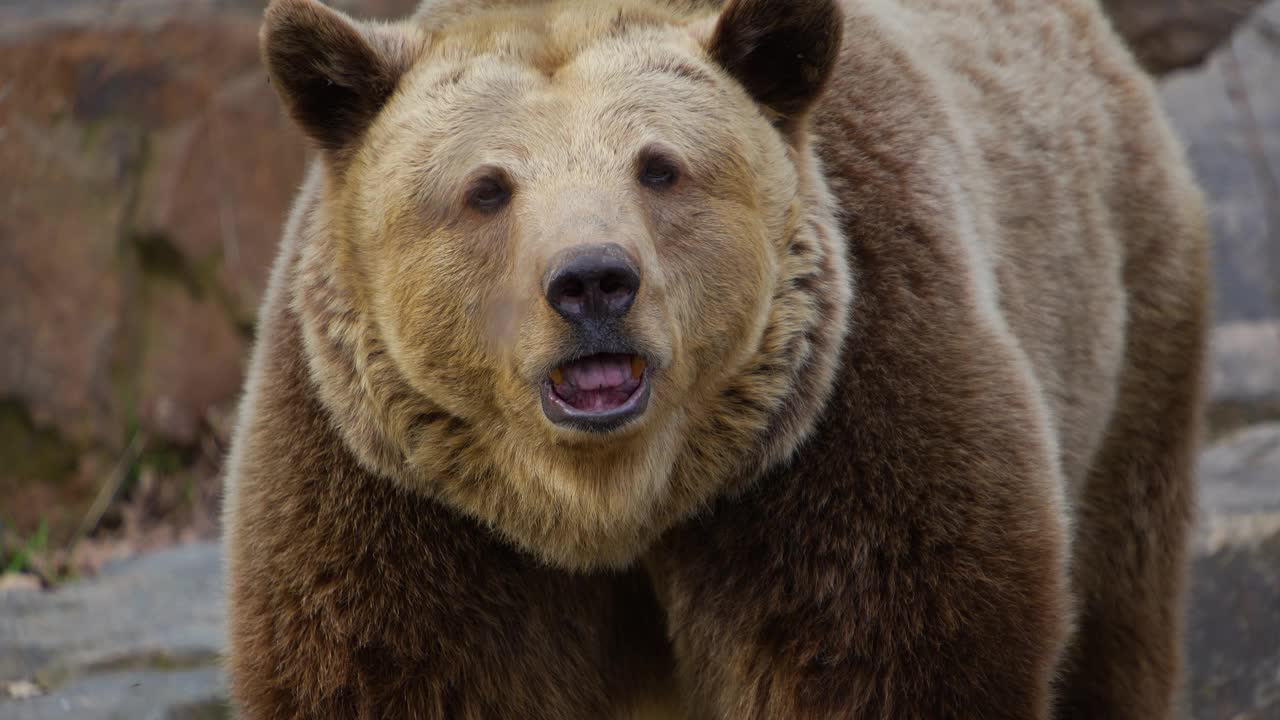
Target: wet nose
{"points": [[592, 282]]}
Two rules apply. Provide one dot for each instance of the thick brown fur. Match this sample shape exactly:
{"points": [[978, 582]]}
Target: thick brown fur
{"points": [[925, 314]]}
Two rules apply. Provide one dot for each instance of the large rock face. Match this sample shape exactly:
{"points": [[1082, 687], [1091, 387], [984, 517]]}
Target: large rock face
{"points": [[147, 171], [1228, 113], [1233, 642], [1168, 35]]}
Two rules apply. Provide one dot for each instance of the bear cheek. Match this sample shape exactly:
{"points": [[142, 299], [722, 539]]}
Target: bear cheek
{"points": [[432, 330], [727, 292], [502, 325]]}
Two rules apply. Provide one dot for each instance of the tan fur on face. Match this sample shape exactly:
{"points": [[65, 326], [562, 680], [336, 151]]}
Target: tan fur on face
{"points": [[425, 322]]}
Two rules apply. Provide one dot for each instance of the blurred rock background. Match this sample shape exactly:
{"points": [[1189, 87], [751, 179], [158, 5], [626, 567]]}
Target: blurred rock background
{"points": [[145, 172], [147, 169]]}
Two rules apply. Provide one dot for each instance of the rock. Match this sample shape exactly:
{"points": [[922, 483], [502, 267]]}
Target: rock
{"points": [[137, 694], [1241, 474], [43, 478], [148, 168], [1168, 35], [142, 640], [192, 360], [1233, 638], [1228, 114], [82, 104], [62, 286], [1245, 364], [1244, 382], [218, 184], [23, 690], [18, 582]]}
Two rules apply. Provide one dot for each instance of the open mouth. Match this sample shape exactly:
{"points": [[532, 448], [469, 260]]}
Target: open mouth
{"points": [[597, 392]]}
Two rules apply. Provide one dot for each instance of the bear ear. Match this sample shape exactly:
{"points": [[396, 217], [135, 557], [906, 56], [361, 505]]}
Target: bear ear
{"points": [[782, 51], [333, 74]]}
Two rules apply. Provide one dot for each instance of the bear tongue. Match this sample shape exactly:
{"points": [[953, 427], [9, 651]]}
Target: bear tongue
{"points": [[597, 372], [596, 383]]}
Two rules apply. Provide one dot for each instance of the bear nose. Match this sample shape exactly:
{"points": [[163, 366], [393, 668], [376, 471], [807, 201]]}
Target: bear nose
{"points": [[592, 282]]}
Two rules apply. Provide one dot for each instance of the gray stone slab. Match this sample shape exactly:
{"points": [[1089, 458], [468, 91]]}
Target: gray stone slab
{"points": [[1228, 115], [1233, 632], [1233, 637], [141, 640], [1227, 112], [137, 695]]}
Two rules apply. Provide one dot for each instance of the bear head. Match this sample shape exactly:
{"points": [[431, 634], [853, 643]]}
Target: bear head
{"points": [[573, 268]]}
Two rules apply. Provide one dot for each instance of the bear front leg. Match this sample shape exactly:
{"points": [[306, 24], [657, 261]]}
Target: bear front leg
{"points": [[425, 618], [910, 570], [350, 598], [417, 614], [1133, 523], [777, 614]]}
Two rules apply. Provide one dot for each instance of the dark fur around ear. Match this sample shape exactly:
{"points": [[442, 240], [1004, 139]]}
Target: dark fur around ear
{"points": [[333, 74], [782, 51]]}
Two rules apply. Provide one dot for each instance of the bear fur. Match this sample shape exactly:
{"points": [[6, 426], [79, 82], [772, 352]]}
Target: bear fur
{"points": [[921, 317]]}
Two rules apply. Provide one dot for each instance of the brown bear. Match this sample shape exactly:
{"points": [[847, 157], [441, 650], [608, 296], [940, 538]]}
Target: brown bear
{"points": [[765, 359]]}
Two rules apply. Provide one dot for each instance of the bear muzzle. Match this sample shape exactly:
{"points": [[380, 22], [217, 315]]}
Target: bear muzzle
{"points": [[605, 383]]}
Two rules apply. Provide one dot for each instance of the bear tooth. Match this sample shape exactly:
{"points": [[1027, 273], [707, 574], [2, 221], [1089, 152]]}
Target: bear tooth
{"points": [[637, 367], [557, 377]]}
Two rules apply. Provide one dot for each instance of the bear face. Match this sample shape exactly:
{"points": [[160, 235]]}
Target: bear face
{"points": [[559, 240]]}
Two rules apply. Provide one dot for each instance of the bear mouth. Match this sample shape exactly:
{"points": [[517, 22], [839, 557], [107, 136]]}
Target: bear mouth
{"points": [[597, 393]]}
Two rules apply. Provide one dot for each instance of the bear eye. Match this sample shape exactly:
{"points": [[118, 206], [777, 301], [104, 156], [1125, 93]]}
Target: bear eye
{"points": [[488, 194], [657, 171]]}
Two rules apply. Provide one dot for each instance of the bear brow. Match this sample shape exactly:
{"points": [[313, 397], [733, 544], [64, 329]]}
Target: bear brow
{"points": [[452, 77], [681, 69]]}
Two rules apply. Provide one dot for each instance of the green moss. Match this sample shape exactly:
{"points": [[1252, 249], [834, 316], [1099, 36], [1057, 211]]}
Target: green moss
{"points": [[21, 559], [1225, 417], [208, 270], [127, 360], [165, 458], [30, 453], [160, 258], [91, 136], [156, 660], [211, 709]]}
